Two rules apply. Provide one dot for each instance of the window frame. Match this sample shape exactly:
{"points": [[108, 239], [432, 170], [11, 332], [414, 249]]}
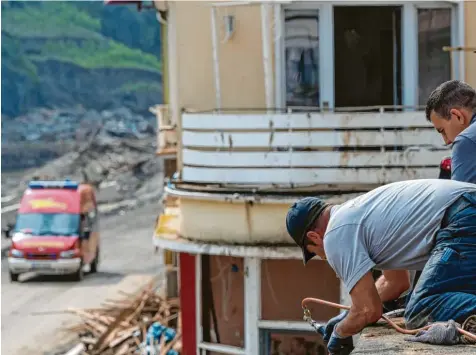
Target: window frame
{"points": [[265, 336], [409, 49]]}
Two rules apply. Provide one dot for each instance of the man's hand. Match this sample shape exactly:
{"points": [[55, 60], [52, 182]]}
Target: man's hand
{"points": [[339, 345], [326, 330]]}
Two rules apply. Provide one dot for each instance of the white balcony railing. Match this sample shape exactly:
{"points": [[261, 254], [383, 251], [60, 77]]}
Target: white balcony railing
{"points": [[344, 150], [166, 132]]}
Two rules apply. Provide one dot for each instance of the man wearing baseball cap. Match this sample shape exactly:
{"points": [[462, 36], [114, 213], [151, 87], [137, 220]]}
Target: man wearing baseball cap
{"points": [[409, 225]]}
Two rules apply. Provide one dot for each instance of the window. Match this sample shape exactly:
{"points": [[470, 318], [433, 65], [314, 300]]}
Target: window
{"points": [[48, 224], [295, 343], [275, 293], [222, 300], [367, 49], [434, 65], [302, 57]]}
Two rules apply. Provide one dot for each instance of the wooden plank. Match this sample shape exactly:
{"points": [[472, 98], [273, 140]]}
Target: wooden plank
{"points": [[312, 159], [212, 121], [311, 139], [287, 177]]}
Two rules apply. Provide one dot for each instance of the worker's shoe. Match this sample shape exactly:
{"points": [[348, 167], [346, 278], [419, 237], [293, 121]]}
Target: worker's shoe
{"points": [[87, 268], [470, 326]]}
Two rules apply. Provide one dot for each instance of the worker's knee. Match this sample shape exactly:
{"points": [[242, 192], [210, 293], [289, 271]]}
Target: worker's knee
{"points": [[439, 308]]}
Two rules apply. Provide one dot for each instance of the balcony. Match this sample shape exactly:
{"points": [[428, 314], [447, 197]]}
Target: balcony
{"points": [[241, 171], [324, 152]]}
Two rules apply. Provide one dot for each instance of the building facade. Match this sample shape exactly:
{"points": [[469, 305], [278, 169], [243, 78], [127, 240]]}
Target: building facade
{"points": [[268, 102]]}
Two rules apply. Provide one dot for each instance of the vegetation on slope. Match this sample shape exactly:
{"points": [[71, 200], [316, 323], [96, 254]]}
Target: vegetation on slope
{"points": [[86, 34]]}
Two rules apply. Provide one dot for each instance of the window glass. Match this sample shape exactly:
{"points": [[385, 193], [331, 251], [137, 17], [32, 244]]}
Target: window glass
{"points": [[295, 343], [302, 58], [47, 224], [434, 65]]}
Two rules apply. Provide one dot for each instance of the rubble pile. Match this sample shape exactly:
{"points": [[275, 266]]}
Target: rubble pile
{"points": [[112, 150], [42, 135], [144, 323], [128, 162], [74, 124]]}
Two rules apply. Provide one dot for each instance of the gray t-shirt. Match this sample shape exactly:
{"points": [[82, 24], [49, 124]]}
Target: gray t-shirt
{"points": [[389, 228], [463, 156]]}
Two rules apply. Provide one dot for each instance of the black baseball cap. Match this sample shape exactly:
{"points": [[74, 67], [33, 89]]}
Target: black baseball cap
{"points": [[300, 218]]}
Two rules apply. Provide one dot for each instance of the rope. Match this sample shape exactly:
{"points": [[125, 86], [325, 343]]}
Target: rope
{"points": [[314, 324]]}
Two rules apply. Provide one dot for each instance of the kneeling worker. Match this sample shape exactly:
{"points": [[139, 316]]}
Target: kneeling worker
{"points": [[409, 225]]}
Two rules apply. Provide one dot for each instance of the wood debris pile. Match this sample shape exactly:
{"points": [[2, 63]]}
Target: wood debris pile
{"points": [[120, 326]]}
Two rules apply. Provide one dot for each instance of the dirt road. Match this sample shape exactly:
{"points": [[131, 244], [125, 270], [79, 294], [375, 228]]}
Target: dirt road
{"points": [[128, 261]]}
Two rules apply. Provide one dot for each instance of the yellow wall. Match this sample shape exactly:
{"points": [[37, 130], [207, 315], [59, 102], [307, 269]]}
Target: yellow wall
{"points": [[240, 59], [470, 41], [241, 64]]}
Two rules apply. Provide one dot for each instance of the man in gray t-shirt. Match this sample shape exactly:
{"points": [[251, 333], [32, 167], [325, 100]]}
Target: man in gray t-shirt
{"points": [[408, 225]]}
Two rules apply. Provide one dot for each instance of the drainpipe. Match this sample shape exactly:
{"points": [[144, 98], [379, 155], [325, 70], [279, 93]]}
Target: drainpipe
{"points": [[461, 39], [216, 66], [267, 65], [165, 66], [278, 57]]}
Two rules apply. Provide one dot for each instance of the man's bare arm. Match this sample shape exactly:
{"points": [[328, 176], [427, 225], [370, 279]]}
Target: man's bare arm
{"points": [[366, 307], [392, 284]]}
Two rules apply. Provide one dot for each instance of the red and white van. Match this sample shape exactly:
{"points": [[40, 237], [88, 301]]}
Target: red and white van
{"points": [[56, 230]]}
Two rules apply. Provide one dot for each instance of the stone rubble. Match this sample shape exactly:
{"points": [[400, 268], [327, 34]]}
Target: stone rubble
{"points": [[113, 150]]}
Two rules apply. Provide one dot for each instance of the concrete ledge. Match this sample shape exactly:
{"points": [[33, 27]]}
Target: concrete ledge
{"points": [[177, 244], [383, 340]]}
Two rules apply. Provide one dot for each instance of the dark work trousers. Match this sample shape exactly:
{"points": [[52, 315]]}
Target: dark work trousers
{"points": [[447, 285]]}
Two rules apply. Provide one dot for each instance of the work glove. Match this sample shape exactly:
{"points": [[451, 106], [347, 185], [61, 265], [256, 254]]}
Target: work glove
{"points": [[326, 330], [339, 345], [438, 334]]}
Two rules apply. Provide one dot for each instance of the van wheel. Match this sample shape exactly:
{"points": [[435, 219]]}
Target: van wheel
{"points": [[95, 263], [78, 275], [13, 277]]}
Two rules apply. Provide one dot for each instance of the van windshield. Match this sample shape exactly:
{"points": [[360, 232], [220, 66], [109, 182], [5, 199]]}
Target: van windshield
{"points": [[48, 224]]}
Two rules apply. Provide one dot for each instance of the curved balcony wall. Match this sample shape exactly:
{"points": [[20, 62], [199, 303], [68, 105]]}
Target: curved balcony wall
{"points": [[237, 168], [235, 218]]}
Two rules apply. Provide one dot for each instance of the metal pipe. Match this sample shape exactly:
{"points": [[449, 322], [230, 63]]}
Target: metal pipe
{"points": [[268, 73], [232, 3], [278, 56], [409, 27], [216, 65], [461, 37], [388, 320], [242, 3]]}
